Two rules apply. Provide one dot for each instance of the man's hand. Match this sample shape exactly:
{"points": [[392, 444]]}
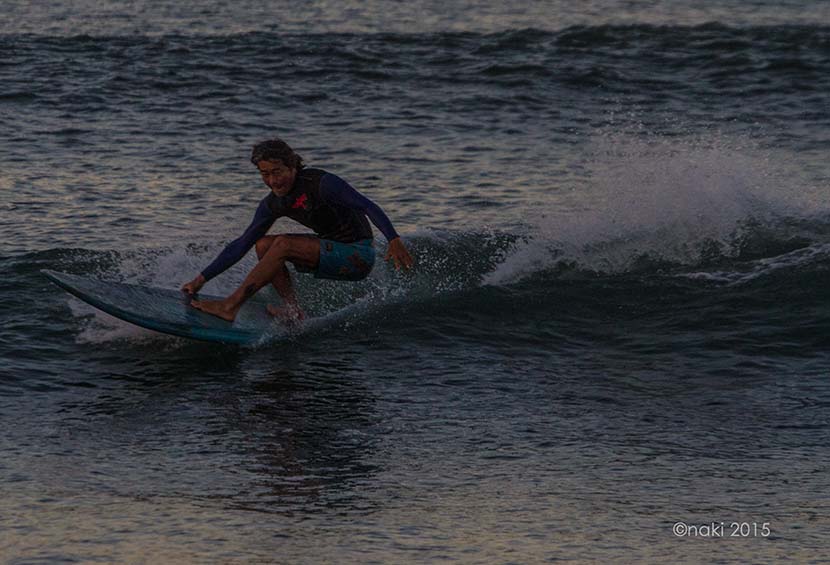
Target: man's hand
{"points": [[193, 286], [397, 252]]}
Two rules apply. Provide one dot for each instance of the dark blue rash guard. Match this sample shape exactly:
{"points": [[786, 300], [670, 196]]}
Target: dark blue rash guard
{"points": [[333, 190]]}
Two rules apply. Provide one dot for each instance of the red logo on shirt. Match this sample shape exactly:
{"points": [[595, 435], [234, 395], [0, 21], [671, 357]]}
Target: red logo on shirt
{"points": [[301, 202]]}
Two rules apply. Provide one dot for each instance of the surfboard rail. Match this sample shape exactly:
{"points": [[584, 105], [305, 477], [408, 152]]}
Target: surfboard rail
{"points": [[165, 310]]}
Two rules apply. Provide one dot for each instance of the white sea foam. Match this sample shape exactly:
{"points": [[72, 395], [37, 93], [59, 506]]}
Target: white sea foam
{"points": [[818, 253], [669, 199]]}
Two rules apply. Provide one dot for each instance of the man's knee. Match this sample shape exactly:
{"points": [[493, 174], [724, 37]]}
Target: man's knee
{"points": [[273, 243], [263, 244]]}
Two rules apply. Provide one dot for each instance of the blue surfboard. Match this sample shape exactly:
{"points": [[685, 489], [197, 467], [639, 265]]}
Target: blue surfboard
{"points": [[166, 310]]}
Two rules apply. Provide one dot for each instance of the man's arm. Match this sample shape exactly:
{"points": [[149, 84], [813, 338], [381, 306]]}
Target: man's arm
{"points": [[337, 191], [236, 250]]}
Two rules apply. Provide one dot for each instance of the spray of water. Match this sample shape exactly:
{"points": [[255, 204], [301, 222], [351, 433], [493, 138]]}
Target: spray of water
{"points": [[667, 200]]}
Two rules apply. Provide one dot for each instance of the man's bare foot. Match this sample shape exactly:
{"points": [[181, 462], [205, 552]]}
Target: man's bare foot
{"points": [[286, 313], [217, 308]]}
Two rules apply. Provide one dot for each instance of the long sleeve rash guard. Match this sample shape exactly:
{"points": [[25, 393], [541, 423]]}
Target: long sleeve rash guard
{"points": [[333, 189]]}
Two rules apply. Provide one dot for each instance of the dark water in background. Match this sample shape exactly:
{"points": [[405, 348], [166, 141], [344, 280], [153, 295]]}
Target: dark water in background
{"points": [[619, 318]]}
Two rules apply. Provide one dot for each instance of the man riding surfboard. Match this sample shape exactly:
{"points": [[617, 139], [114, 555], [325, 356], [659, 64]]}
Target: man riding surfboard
{"points": [[340, 248]]}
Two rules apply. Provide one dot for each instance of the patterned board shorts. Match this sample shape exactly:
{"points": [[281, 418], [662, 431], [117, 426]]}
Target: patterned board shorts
{"points": [[344, 261]]}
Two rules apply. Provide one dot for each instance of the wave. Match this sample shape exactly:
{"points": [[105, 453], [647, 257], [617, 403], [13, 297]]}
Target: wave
{"points": [[656, 223], [639, 41], [460, 289], [717, 65], [383, 16], [710, 35]]}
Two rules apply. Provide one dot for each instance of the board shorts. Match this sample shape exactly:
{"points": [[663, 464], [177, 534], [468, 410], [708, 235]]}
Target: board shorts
{"points": [[344, 261]]}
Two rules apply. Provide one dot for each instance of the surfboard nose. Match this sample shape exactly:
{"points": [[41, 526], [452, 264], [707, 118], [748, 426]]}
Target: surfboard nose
{"points": [[165, 310]]}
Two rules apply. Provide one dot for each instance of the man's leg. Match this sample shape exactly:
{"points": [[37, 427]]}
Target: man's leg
{"points": [[299, 249], [282, 281]]}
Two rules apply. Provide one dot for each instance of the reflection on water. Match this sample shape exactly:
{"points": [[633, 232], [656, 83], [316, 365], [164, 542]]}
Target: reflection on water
{"points": [[316, 449], [287, 441]]}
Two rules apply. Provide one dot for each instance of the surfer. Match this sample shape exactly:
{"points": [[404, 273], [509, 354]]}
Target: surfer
{"points": [[341, 247]]}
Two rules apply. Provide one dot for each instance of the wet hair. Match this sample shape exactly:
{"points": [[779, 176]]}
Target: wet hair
{"points": [[276, 150]]}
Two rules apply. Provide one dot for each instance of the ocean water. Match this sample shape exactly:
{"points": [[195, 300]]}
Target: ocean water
{"points": [[618, 320]]}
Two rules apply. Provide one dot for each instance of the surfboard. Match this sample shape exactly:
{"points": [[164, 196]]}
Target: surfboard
{"points": [[166, 310]]}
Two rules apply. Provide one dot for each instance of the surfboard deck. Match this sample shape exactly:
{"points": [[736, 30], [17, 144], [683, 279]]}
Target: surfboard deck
{"points": [[166, 310]]}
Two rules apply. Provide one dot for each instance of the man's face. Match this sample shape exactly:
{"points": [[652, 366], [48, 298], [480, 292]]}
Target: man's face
{"points": [[278, 176]]}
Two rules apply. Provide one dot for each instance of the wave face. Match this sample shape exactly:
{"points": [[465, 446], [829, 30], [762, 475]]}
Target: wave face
{"points": [[763, 291]]}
